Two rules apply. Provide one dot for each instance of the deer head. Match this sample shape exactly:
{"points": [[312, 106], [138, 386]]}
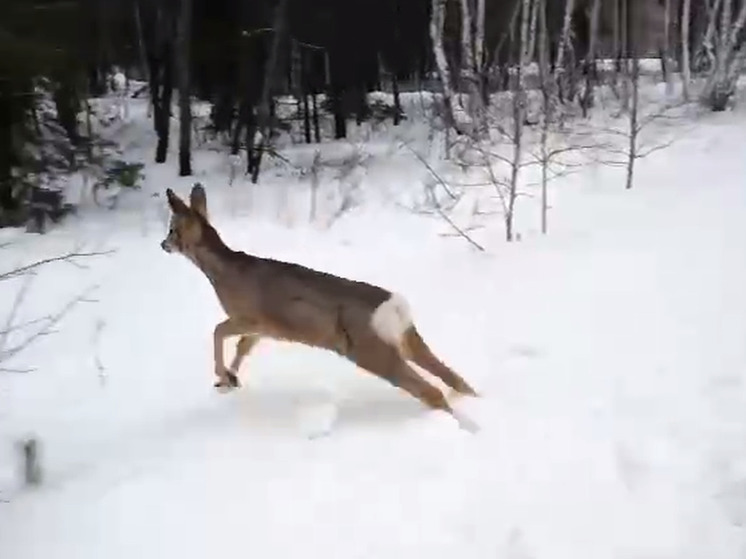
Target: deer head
{"points": [[187, 222]]}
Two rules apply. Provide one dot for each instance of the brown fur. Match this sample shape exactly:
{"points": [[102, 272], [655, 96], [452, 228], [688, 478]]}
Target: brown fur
{"points": [[266, 298]]}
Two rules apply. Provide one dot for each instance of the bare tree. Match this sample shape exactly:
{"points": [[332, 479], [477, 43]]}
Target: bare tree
{"points": [[634, 124], [637, 121], [555, 141], [507, 186]]}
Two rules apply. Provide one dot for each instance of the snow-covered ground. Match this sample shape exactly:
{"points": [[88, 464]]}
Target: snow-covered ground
{"points": [[611, 355]]}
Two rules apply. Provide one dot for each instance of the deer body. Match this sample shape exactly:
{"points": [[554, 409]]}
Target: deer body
{"points": [[266, 298]]}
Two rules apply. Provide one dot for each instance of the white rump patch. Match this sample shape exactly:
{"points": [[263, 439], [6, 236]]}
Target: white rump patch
{"points": [[392, 319]]}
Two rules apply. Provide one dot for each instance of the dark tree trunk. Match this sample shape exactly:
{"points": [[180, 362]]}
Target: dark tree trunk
{"points": [[316, 128], [159, 37], [7, 198], [340, 120], [338, 86], [185, 108], [222, 111], [264, 116], [244, 56], [66, 103], [154, 82], [163, 109], [306, 117], [96, 85], [243, 111], [394, 66], [397, 100], [251, 131], [362, 111], [141, 50]]}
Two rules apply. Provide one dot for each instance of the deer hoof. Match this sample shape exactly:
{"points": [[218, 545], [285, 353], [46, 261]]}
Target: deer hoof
{"points": [[228, 381], [232, 379]]}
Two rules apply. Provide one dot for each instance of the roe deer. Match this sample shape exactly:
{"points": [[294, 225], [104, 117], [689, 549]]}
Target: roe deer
{"points": [[266, 298]]}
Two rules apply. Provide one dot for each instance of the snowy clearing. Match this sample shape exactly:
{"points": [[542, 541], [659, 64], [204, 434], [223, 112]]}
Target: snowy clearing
{"points": [[611, 355]]}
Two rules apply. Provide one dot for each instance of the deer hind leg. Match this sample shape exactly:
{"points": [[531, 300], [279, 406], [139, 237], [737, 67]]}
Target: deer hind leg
{"points": [[386, 362], [407, 379], [392, 323], [226, 329], [244, 345], [415, 348]]}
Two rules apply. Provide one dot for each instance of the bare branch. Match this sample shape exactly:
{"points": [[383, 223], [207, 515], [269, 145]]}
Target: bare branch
{"points": [[70, 258], [432, 171], [644, 153], [459, 231]]}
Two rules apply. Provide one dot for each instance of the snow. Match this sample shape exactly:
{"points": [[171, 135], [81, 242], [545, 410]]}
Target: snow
{"points": [[610, 355]]}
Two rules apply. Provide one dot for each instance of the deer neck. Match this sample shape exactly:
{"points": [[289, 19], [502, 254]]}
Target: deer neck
{"points": [[211, 257]]}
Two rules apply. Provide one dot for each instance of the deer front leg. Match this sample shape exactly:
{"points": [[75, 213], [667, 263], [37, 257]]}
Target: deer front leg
{"points": [[243, 347], [226, 329]]}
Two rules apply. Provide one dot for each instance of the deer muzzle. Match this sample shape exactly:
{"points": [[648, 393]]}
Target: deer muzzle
{"points": [[165, 245]]}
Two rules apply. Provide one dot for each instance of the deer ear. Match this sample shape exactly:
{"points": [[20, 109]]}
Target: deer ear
{"points": [[198, 199], [177, 204]]}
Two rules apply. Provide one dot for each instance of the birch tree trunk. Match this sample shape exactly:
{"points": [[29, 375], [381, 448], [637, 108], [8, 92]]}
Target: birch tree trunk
{"points": [[590, 61], [546, 102], [479, 36], [707, 48], [472, 43], [626, 51], [559, 65], [728, 61], [437, 22], [479, 53], [668, 59], [519, 118], [531, 46], [686, 65]]}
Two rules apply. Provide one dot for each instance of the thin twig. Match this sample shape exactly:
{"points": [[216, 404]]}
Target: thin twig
{"points": [[435, 175], [45, 329], [461, 233]]}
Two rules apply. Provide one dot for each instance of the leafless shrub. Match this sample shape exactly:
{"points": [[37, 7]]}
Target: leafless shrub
{"points": [[17, 336], [337, 182], [631, 143]]}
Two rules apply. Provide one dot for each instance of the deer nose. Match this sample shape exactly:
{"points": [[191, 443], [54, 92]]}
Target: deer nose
{"points": [[165, 246]]}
